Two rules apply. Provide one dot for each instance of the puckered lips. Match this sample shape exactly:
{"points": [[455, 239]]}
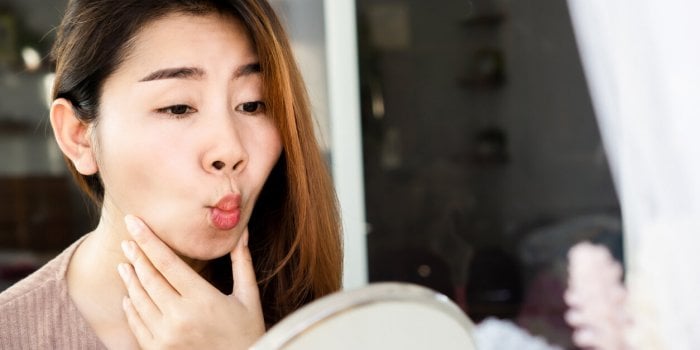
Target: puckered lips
{"points": [[226, 213]]}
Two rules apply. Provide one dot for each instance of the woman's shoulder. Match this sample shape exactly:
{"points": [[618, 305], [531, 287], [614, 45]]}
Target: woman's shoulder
{"points": [[40, 284], [45, 280], [38, 305]]}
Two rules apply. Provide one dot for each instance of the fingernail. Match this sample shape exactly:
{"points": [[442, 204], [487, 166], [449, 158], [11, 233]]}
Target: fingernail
{"points": [[132, 224], [122, 271], [128, 248]]}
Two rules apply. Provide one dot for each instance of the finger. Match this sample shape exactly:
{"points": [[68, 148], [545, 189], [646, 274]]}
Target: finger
{"points": [[245, 285], [138, 327], [179, 275], [154, 285], [141, 301]]}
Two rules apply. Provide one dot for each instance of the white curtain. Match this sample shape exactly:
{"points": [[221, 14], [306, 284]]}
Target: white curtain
{"points": [[642, 63]]}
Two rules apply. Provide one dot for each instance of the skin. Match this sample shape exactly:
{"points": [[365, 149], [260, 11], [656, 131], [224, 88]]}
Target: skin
{"points": [[168, 149]]}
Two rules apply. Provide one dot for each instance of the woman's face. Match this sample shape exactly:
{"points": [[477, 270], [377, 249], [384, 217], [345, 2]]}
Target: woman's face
{"points": [[183, 139]]}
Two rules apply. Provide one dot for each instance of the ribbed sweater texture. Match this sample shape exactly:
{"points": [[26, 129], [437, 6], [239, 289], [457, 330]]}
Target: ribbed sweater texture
{"points": [[38, 313]]}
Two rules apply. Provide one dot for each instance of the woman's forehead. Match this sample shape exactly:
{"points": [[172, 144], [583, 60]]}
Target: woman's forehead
{"points": [[188, 40]]}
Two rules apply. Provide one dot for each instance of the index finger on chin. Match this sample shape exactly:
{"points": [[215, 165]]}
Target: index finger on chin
{"points": [[245, 285]]}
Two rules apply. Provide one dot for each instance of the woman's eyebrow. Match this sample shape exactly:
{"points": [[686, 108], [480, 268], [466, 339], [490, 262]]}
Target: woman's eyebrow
{"points": [[247, 69], [175, 73], [197, 73]]}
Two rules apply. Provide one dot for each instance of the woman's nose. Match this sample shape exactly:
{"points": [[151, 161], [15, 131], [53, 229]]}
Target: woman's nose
{"points": [[227, 152]]}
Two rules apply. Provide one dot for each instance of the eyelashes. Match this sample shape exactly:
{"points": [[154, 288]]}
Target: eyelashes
{"points": [[251, 107], [177, 111], [180, 111]]}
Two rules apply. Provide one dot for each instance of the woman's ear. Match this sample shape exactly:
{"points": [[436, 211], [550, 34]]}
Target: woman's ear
{"points": [[73, 136]]}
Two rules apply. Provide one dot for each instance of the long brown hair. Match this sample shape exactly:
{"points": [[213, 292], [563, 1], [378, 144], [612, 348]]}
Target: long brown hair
{"points": [[295, 232]]}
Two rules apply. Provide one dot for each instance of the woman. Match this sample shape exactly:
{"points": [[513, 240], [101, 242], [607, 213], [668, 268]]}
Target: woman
{"points": [[188, 124]]}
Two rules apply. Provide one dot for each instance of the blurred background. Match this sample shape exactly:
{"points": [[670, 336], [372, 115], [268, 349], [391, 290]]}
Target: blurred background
{"points": [[476, 161]]}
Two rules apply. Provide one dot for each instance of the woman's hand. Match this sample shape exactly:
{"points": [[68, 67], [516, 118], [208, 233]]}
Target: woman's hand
{"points": [[170, 306]]}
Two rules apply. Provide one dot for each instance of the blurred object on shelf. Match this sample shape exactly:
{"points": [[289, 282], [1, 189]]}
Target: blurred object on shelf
{"points": [[486, 69], [597, 299], [543, 256], [491, 146], [8, 38]]}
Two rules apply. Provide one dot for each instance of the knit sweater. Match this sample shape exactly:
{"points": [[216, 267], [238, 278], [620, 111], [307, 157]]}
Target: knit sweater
{"points": [[38, 313]]}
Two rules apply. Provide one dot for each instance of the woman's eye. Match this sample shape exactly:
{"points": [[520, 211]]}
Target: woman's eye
{"points": [[178, 111], [251, 107]]}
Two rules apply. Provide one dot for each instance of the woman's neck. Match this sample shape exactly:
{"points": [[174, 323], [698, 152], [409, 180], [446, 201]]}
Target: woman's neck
{"points": [[94, 284]]}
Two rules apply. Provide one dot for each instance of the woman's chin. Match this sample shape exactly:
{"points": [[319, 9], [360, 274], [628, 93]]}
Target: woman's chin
{"points": [[206, 252]]}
